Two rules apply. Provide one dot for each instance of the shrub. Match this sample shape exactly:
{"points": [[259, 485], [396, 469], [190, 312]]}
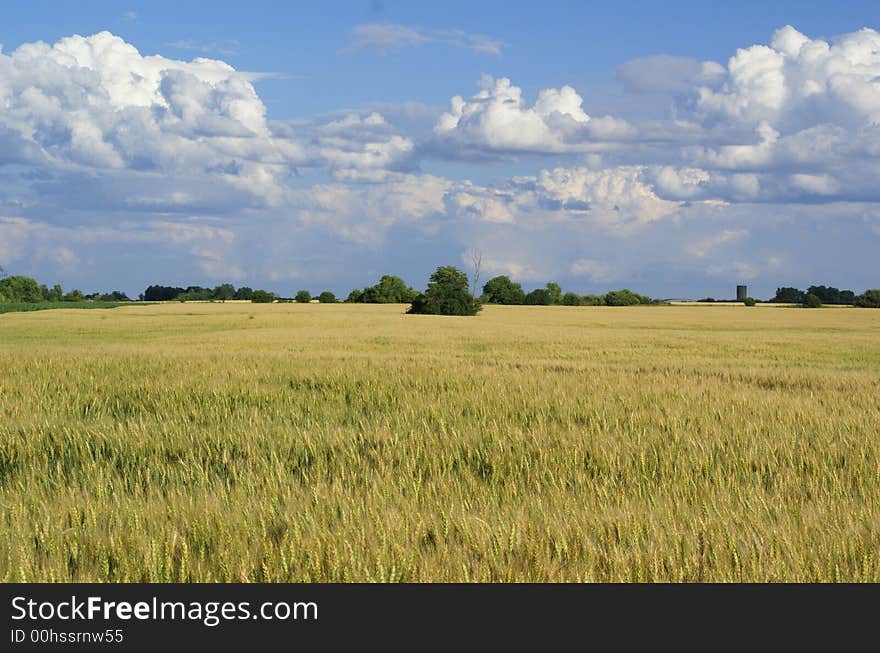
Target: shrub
{"points": [[447, 294], [749, 301], [811, 301], [303, 297], [625, 297], [327, 297]]}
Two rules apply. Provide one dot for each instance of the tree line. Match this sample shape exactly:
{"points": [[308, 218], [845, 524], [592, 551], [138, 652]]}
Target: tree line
{"points": [[825, 294], [502, 290], [25, 290], [227, 292], [816, 296], [448, 293]]}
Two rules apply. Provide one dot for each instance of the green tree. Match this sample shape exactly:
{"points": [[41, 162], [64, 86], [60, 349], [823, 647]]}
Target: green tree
{"points": [[592, 300], [869, 299], [550, 295], [788, 295], [749, 301], [625, 297], [831, 295], [54, 294], [811, 301], [826, 294], [538, 297], [393, 290], [327, 297], [162, 293], [196, 293], [303, 296], [223, 292], [571, 299], [74, 296], [355, 296], [114, 296], [21, 290], [554, 292], [389, 290], [244, 294], [501, 290], [448, 293], [262, 297]]}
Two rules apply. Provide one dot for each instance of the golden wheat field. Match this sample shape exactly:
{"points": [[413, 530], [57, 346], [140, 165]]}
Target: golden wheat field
{"points": [[286, 442]]}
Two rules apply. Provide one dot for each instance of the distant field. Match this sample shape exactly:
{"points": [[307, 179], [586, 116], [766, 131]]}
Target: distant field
{"points": [[45, 306], [291, 442]]}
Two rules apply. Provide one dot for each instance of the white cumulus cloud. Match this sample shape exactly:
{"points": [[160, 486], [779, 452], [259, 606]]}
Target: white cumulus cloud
{"points": [[96, 103], [796, 79], [498, 119]]}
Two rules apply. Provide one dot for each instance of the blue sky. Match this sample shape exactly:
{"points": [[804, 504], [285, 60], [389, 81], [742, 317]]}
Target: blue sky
{"points": [[678, 148]]}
